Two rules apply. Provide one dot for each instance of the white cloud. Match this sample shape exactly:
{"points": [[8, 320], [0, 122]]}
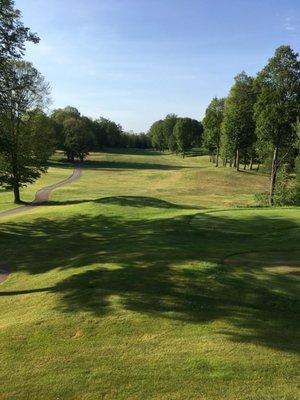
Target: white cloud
{"points": [[288, 24]]}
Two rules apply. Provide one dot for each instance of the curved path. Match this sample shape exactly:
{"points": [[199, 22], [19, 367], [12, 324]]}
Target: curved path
{"points": [[41, 197]]}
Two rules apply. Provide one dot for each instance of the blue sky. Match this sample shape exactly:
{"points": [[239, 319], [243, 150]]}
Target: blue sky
{"points": [[135, 61]]}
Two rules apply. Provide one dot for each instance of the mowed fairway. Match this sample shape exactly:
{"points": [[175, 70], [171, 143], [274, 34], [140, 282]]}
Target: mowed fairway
{"points": [[149, 278]]}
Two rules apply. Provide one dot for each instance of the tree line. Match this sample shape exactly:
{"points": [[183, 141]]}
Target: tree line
{"points": [[77, 134], [28, 135], [257, 122], [178, 135]]}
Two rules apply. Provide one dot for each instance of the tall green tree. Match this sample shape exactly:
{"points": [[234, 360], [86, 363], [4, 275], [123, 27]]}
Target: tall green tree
{"points": [[277, 108], [108, 133], [238, 122], [25, 143], [186, 132], [212, 127], [79, 138], [59, 116], [168, 131], [156, 134], [13, 33]]}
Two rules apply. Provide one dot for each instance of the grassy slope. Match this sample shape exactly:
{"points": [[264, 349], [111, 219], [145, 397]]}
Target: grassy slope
{"points": [[54, 174], [128, 298]]}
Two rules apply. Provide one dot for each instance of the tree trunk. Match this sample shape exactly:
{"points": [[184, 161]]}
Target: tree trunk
{"points": [[217, 157], [237, 160], [17, 199], [258, 165], [273, 176], [251, 163]]}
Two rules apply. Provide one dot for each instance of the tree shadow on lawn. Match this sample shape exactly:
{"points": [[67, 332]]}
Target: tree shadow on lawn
{"points": [[129, 151], [164, 267], [129, 201], [119, 165]]}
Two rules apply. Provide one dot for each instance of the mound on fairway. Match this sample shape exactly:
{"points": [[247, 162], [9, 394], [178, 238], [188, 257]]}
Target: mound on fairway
{"points": [[119, 289]]}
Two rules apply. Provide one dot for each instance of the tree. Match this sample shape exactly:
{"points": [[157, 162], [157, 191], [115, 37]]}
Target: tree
{"points": [[58, 117], [25, 144], [79, 139], [168, 128], [297, 183], [238, 121], [156, 134], [212, 126], [186, 131], [107, 132], [277, 108], [13, 34]]}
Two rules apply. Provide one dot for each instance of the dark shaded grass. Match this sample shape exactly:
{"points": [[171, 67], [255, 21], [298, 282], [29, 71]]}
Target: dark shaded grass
{"points": [[129, 201], [150, 278]]}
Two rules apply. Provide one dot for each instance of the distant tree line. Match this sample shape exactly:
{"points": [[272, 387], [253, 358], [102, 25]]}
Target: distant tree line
{"points": [[175, 134], [257, 123], [76, 134]]}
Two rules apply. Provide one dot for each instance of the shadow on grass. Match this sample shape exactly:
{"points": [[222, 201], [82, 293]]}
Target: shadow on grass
{"points": [[129, 201], [117, 165], [164, 267], [137, 152]]}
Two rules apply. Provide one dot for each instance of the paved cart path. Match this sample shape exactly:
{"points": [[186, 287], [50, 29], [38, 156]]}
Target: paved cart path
{"points": [[41, 197]]}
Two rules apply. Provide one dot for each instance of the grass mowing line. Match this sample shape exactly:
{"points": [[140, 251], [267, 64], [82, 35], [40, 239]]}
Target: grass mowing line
{"points": [[234, 258], [43, 195]]}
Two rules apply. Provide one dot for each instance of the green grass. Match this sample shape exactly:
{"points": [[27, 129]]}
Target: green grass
{"points": [[55, 173], [140, 282]]}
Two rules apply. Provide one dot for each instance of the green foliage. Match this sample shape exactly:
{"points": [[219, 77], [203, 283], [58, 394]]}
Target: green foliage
{"points": [[107, 133], [13, 33], [187, 132], [58, 117], [297, 181], [285, 190], [168, 127], [212, 125], [238, 124], [79, 140], [156, 134], [261, 199], [277, 108], [278, 103], [135, 140], [26, 134]]}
